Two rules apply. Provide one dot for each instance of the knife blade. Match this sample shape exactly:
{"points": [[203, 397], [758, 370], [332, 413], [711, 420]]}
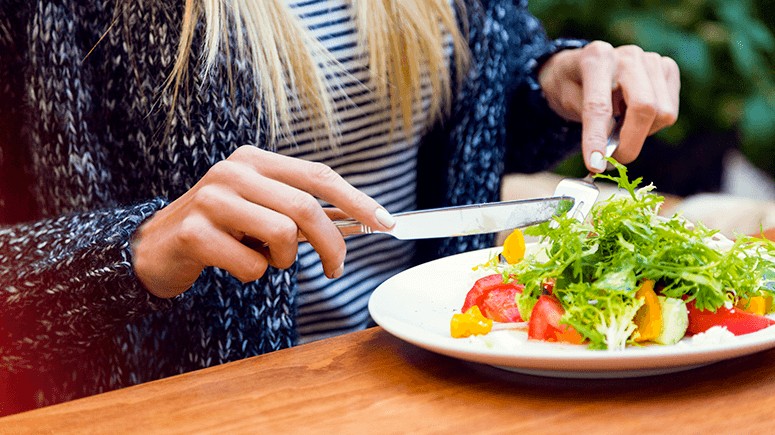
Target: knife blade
{"points": [[464, 220]]}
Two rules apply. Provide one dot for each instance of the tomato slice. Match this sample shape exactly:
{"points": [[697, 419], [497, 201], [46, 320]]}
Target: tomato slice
{"points": [[545, 324], [500, 305], [495, 298], [735, 320], [479, 288]]}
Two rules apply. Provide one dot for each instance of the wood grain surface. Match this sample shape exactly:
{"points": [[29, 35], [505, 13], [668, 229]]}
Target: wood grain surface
{"points": [[371, 382]]}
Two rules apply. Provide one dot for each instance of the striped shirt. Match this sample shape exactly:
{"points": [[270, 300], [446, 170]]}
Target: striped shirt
{"points": [[380, 164]]}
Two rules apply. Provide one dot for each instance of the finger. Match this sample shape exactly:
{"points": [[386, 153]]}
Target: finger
{"points": [[335, 214], [299, 206], [673, 79], [597, 72], [241, 218], [573, 98], [667, 110], [213, 247], [640, 100], [320, 181]]}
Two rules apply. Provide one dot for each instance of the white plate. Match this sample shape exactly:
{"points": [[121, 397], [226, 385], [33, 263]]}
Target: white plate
{"points": [[417, 304]]}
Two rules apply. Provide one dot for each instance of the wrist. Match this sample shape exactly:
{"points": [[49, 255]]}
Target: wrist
{"points": [[157, 266], [535, 66]]}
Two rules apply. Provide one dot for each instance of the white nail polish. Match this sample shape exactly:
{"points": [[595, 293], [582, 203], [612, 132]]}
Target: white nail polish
{"points": [[384, 217], [597, 161], [338, 272]]}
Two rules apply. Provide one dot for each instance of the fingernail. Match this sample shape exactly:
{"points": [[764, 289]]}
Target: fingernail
{"points": [[385, 218], [597, 161], [338, 272]]}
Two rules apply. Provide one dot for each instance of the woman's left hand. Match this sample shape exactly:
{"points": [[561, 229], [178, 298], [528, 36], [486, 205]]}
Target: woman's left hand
{"points": [[595, 83]]}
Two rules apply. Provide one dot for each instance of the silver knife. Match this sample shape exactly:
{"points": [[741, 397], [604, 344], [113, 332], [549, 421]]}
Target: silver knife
{"points": [[464, 220]]}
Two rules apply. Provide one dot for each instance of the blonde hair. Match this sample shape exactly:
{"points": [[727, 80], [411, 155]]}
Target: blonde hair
{"points": [[405, 41]]}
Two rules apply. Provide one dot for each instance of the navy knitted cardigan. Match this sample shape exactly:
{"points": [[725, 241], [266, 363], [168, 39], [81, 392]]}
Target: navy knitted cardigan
{"points": [[86, 156]]}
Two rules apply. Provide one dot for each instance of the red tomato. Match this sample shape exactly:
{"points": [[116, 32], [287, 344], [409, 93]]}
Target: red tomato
{"points": [[736, 321], [500, 305], [549, 286], [545, 324], [766, 234], [495, 298], [479, 288]]}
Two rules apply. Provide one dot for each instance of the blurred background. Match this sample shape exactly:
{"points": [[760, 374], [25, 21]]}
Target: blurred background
{"points": [[717, 164]]}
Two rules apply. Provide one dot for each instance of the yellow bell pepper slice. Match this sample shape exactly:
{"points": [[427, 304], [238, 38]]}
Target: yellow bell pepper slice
{"points": [[472, 322], [514, 247], [648, 319], [754, 305]]}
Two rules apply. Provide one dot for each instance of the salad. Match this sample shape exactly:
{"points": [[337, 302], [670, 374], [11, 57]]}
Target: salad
{"points": [[626, 276]]}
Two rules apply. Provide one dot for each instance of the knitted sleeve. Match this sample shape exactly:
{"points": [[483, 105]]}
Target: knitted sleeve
{"points": [[536, 136], [65, 283]]}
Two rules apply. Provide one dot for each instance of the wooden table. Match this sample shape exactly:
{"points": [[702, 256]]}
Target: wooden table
{"points": [[371, 382]]}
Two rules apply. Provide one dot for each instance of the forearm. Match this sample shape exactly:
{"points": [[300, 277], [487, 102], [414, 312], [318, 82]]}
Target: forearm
{"points": [[66, 283]]}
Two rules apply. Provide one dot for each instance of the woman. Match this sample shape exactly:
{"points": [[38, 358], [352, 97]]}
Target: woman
{"points": [[139, 240]]}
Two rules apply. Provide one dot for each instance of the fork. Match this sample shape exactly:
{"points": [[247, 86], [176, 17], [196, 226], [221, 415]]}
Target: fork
{"points": [[584, 190]]}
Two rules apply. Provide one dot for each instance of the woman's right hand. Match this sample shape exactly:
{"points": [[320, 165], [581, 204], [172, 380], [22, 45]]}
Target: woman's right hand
{"points": [[252, 195]]}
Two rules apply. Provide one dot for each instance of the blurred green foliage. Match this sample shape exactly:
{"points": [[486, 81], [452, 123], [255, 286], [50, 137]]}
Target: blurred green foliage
{"points": [[725, 49]]}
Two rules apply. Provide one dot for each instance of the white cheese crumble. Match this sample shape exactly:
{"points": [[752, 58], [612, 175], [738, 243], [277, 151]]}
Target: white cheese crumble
{"points": [[499, 339], [714, 335]]}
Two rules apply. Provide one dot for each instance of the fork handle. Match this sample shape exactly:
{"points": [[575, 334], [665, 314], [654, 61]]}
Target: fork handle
{"points": [[613, 138]]}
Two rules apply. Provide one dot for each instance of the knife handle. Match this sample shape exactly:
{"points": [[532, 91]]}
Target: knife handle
{"points": [[348, 227]]}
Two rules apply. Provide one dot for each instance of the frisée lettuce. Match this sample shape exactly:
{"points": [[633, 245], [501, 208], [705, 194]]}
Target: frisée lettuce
{"points": [[598, 265]]}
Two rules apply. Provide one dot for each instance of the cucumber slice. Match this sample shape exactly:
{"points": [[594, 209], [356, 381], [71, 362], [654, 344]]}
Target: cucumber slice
{"points": [[675, 320]]}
